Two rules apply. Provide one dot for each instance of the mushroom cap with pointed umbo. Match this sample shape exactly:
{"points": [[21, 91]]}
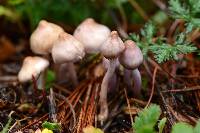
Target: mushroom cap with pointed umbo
{"points": [[67, 49], [41, 40], [113, 46], [132, 56], [32, 66], [91, 34]]}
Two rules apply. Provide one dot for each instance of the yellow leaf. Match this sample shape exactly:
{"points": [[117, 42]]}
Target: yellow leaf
{"points": [[47, 131], [91, 129]]}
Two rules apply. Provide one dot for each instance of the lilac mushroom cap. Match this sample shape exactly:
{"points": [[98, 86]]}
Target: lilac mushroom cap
{"points": [[131, 59], [67, 49], [42, 39], [132, 56], [91, 34], [113, 46]]}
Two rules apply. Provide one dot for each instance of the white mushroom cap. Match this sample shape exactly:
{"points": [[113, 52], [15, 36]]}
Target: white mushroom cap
{"points": [[67, 49], [91, 34], [41, 40], [32, 66], [132, 57], [113, 46]]}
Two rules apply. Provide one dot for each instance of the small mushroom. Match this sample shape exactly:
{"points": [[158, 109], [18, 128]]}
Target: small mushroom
{"points": [[67, 49], [42, 39], [110, 49], [131, 59], [41, 42], [91, 34], [32, 66]]}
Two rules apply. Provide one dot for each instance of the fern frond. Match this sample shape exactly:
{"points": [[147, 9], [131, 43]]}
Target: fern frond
{"points": [[146, 119]]}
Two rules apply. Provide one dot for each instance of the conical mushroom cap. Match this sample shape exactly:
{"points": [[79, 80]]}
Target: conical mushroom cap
{"points": [[67, 49], [91, 34], [113, 46], [32, 66], [42, 39], [132, 56]]}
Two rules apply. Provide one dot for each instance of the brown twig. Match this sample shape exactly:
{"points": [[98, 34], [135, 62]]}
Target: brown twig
{"points": [[129, 107], [172, 29], [139, 9], [166, 106], [153, 86], [152, 62], [194, 88], [160, 4]]}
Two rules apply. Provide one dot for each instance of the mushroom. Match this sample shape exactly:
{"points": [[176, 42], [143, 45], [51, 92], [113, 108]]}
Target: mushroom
{"points": [[41, 40], [110, 49], [91, 34], [131, 59], [32, 66], [67, 49]]}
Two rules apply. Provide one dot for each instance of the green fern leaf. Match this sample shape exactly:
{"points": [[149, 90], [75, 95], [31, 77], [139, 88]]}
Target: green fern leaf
{"points": [[182, 128], [146, 119]]}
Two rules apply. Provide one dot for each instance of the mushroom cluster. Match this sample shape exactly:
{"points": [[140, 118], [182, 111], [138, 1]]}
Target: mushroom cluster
{"points": [[88, 37]]}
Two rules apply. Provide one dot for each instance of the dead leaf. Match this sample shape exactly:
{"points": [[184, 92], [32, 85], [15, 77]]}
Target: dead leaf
{"points": [[6, 49]]}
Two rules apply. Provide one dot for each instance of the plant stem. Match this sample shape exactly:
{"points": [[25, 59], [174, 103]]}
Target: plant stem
{"points": [[103, 115], [137, 82], [131, 76]]}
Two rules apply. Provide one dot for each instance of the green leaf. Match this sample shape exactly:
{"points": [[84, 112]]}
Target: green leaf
{"points": [[187, 10], [194, 5], [8, 13], [195, 21], [197, 127], [160, 17], [50, 78], [146, 119], [15, 2], [189, 27], [163, 51], [161, 124], [51, 126], [166, 52], [178, 10], [6, 128], [148, 32], [91, 129], [182, 128]]}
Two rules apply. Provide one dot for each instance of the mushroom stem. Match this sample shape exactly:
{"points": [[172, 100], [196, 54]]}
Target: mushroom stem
{"points": [[66, 71], [135, 76], [103, 115], [128, 79], [112, 85], [41, 81], [137, 82], [72, 72]]}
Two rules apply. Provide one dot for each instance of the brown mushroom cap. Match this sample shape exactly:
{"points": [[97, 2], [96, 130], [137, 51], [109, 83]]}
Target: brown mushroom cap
{"points": [[67, 49], [32, 66], [132, 56], [113, 46], [91, 34], [41, 40]]}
